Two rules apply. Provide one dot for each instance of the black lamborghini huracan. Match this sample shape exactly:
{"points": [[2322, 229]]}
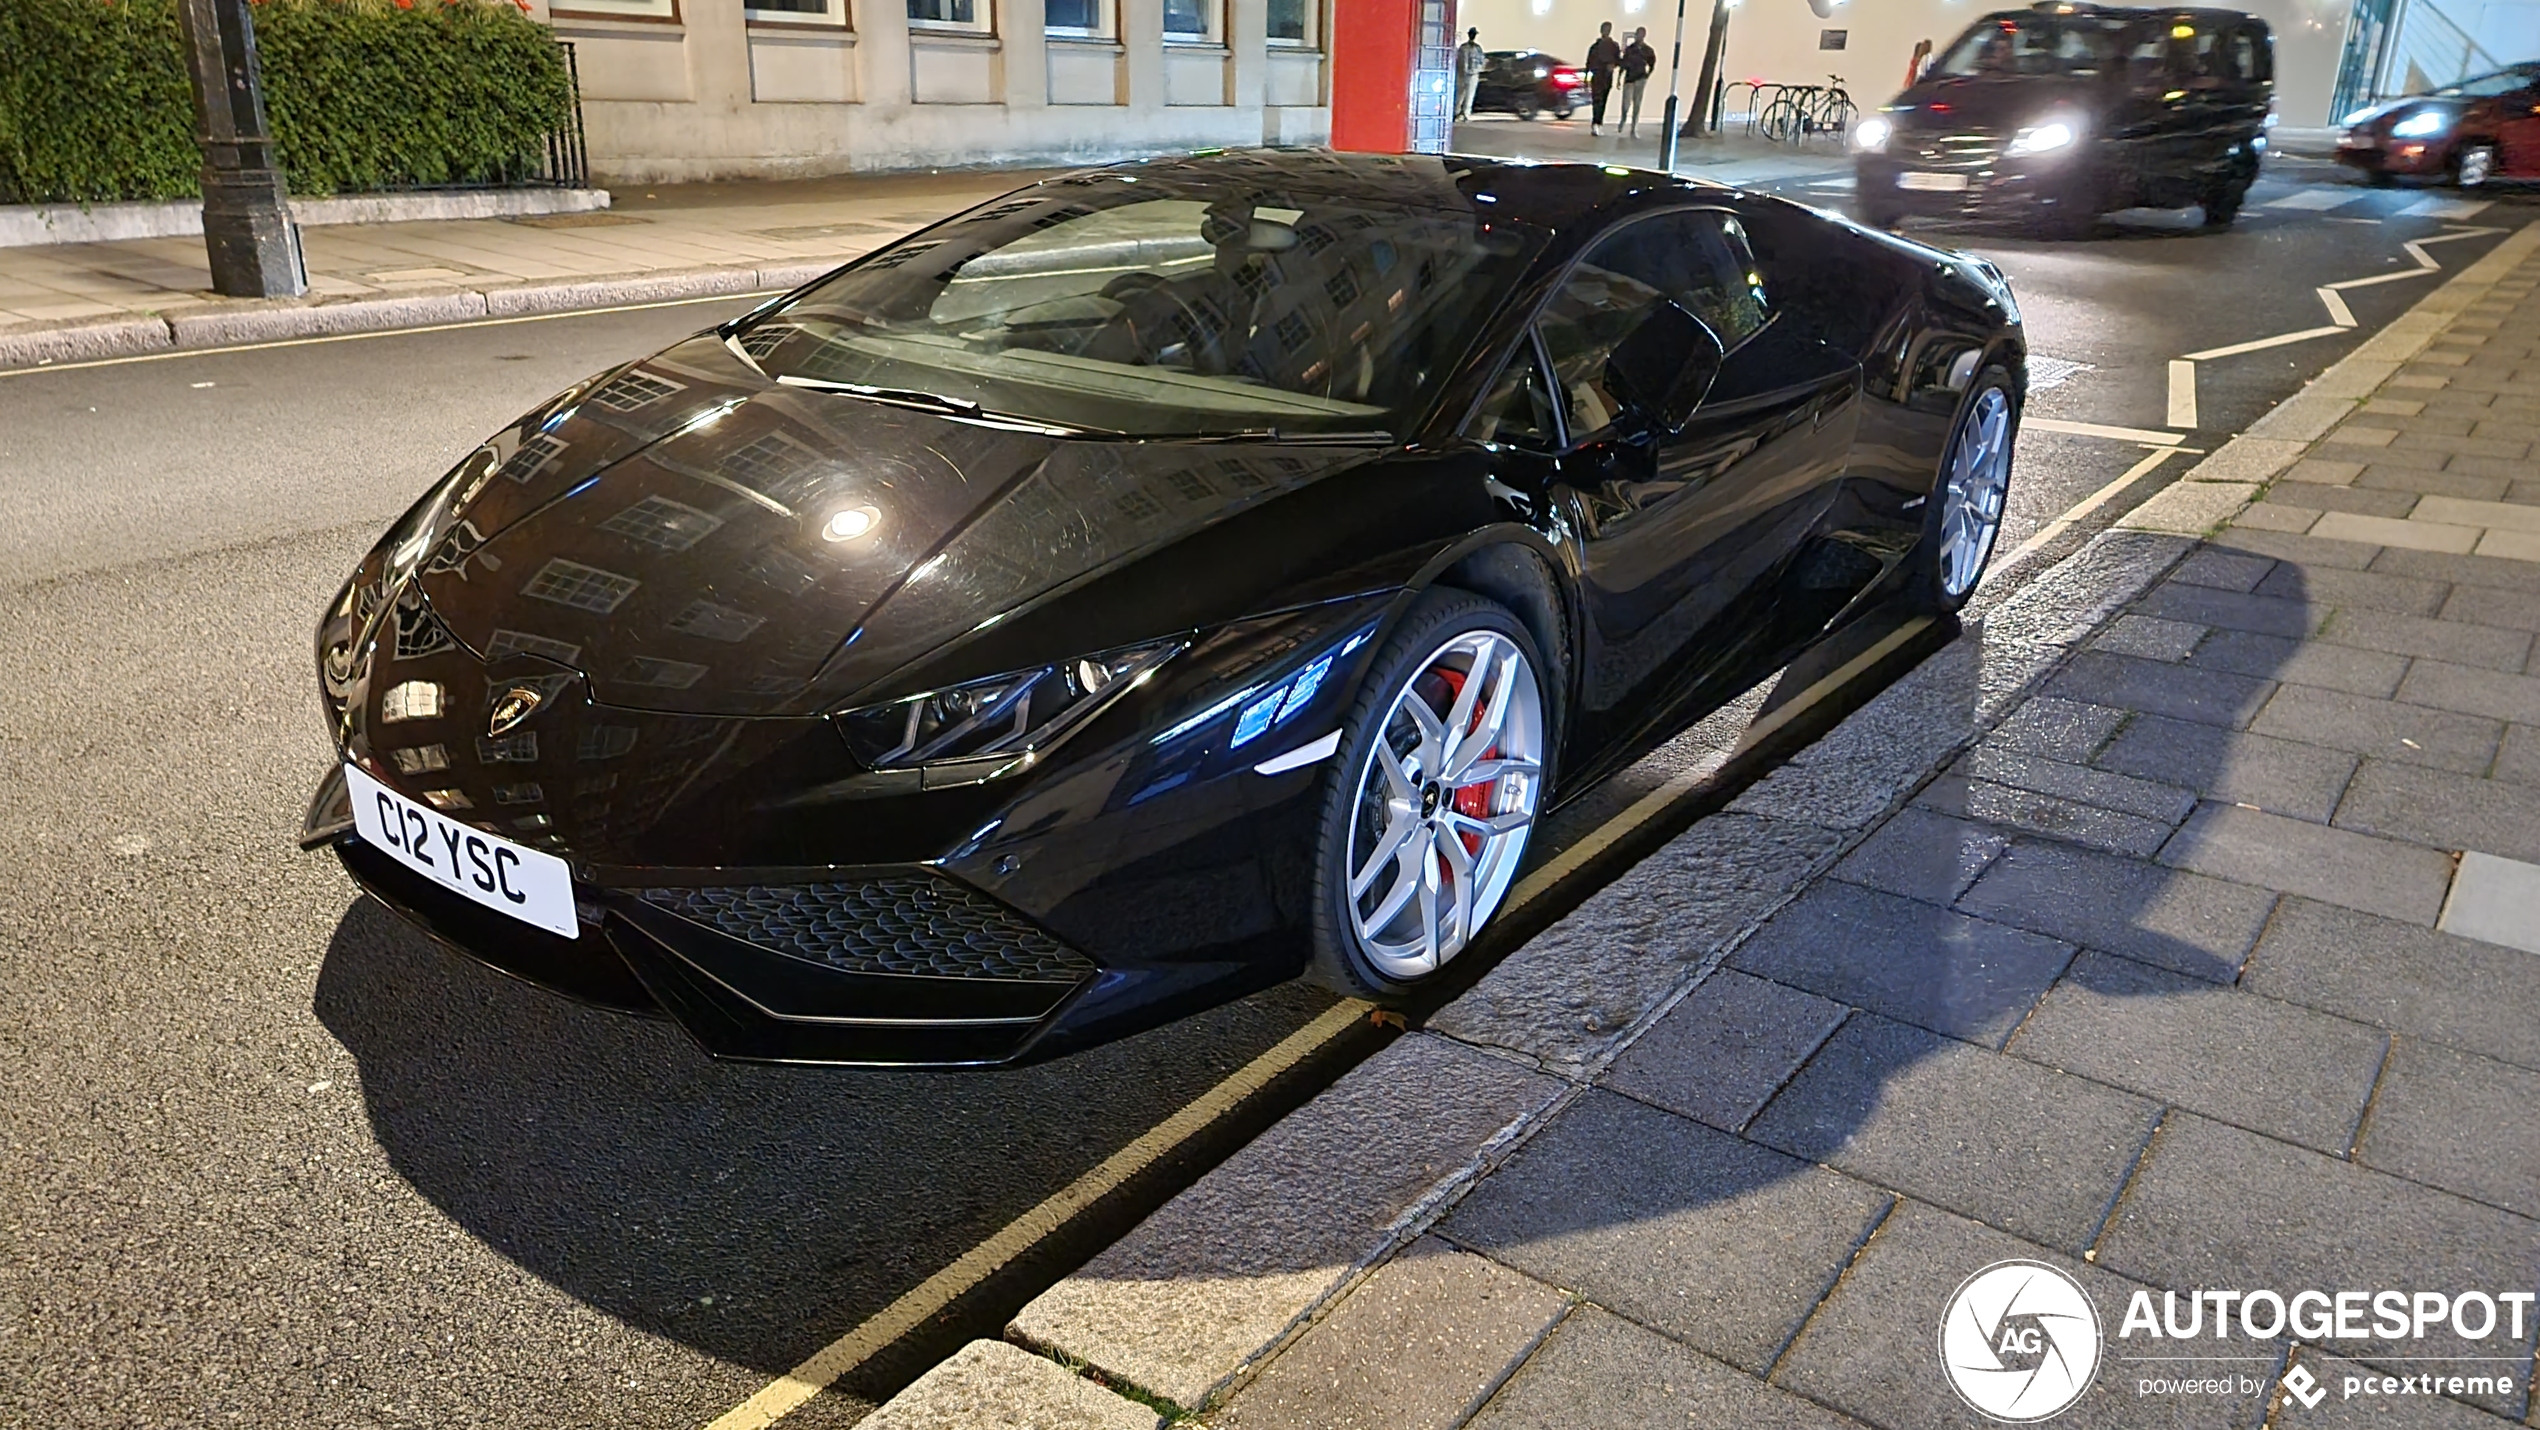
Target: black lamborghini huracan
{"points": [[1142, 588]]}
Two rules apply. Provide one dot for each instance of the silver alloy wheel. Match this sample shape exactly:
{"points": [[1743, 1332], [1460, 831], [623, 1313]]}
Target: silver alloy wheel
{"points": [[1971, 501], [2478, 165], [1445, 800]]}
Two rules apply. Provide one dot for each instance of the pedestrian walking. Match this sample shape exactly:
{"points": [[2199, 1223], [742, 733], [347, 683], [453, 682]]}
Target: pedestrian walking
{"points": [[1638, 61], [1470, 60], [1603, 59]]}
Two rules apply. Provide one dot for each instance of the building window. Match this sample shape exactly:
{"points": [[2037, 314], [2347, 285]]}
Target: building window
{"points": [[621, 9], [797, 12], [1292, 22], [971, 15], [1079, 19], [1191, 22]]}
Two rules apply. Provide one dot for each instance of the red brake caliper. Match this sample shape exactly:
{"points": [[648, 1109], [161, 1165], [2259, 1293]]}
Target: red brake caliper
{"points": [[1473, 800]]}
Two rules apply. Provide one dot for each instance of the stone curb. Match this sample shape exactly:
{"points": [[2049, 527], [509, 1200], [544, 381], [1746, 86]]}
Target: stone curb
{"points": [[205, 326], [1172, 1311]]}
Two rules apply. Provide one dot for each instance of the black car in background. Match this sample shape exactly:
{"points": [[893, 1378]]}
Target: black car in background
{"points": [[1526, 83], [2058, 114], [1141, 589]]}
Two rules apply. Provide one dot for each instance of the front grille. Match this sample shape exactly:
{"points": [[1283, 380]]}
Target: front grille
{"points": [[900, 924]]}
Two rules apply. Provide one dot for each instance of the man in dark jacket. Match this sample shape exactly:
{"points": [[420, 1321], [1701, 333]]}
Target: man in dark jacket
{"points": [[1603, 59], [1638, 60]]}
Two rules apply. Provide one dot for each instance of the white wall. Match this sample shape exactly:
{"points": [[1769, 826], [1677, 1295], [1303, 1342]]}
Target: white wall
{"points": [[710, 95], [1776, 40]]}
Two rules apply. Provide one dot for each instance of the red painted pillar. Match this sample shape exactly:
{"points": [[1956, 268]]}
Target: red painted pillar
{"points": [[1393, 66]]}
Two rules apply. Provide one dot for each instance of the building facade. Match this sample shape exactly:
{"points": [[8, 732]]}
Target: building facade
{"points": [[698, 89]]}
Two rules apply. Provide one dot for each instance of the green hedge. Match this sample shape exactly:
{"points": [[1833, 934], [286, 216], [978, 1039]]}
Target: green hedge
{"points": [[363, 95]]}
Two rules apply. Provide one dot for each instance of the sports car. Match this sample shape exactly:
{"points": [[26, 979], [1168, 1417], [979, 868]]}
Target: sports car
{"points": [[1141, 589]]}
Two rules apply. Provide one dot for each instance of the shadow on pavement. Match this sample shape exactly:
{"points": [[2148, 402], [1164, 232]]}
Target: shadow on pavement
{"points": [[751, 1212]]}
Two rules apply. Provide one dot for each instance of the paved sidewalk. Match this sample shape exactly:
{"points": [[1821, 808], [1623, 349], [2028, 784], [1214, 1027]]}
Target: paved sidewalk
{"points": [[2177, 926]]}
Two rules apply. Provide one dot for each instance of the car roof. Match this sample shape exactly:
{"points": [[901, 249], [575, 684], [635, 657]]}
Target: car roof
{"points": [[1523, 191], [2127, 12]]}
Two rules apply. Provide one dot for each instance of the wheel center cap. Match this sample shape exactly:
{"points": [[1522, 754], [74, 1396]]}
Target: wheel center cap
{"points": [[1429, 796]]}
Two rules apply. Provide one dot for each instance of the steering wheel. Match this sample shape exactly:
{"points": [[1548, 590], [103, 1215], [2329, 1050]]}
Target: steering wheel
{"points": [[1133, 291]]}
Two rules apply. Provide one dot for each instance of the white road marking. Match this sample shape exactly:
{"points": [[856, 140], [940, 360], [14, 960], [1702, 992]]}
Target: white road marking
{"points": [[2182, 393], [1846, 183], [786, 1394], [2073, 514], [2338, 312], [2261, 344], [2316, 198], [2437, 206], [2144, 435]]}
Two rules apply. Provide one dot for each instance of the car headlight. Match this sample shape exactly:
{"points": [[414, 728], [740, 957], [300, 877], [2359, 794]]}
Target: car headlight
{"points": [[984, 728], [1870, 136], [2423, 124], [2043, 138], [2359, 116]]}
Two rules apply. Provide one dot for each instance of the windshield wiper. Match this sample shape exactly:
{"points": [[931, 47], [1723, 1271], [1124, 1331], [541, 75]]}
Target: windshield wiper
{"points": [[1290, 439], [920, 400]]}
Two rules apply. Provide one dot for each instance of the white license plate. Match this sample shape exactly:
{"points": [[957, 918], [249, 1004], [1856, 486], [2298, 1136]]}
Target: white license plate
{"points": [[1936, 183], [531, 886]]}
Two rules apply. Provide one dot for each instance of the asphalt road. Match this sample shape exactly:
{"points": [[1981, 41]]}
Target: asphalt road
{"points": [[273, 1159]]}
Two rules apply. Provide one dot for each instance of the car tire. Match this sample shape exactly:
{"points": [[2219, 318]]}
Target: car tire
{"points": [[1524, 107], [1564, 111], [1375, 935], [1883, 217], [2222, 203], [1962, 521], [2474, 166], [2065, 221]]}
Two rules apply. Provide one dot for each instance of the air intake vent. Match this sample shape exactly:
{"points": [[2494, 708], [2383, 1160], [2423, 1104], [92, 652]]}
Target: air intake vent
{"points": [[921, 925]]}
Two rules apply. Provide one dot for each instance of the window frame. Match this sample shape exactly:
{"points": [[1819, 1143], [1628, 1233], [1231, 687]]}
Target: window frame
{"points": [[833, 15], [983, 27], [1571, 442], [1310, 42], [1212, 32], [1106, 28], [641, 12]]}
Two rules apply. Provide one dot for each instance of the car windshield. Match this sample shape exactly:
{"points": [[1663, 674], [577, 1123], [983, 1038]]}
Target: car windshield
{"points": [[2032, 45], [2488, 86], [1147, 306]]}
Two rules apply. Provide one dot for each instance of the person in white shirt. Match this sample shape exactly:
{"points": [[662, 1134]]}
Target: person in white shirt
{"points": [[1469, 63]]}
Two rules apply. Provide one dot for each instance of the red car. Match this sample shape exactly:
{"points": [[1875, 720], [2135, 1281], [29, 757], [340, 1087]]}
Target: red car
{"points": [[2476, 132]]}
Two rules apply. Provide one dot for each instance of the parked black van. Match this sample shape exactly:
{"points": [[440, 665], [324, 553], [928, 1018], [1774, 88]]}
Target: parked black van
{"points": [[2060, 113]]}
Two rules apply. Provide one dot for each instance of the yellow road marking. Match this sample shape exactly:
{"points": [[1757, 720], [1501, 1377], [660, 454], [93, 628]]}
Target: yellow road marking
{"points": [[2087, 505]]}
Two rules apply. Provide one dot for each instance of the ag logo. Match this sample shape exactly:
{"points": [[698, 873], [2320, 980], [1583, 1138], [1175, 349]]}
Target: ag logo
{"points": [[2020, 1341], [511, 707]]}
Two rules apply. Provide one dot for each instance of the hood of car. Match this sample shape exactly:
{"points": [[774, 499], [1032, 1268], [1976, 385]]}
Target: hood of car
{"points": [[695, 538]]}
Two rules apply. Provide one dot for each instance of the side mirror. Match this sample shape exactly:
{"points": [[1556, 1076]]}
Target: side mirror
{"points": [[1661, 371]]}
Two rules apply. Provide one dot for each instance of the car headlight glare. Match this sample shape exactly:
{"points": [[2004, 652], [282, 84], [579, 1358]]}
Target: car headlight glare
{"points": [[1870, 136], [1000, 721], [2044, 138], [2359, 116], [2423, 124]]}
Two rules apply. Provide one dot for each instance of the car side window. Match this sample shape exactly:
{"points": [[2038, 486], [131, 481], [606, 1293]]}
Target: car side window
{"points": [[1700, 259], [1519, 410]]}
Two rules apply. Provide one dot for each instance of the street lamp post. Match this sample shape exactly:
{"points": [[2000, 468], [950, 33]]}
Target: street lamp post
{"points": [[247, 232], [1701, 117]]}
